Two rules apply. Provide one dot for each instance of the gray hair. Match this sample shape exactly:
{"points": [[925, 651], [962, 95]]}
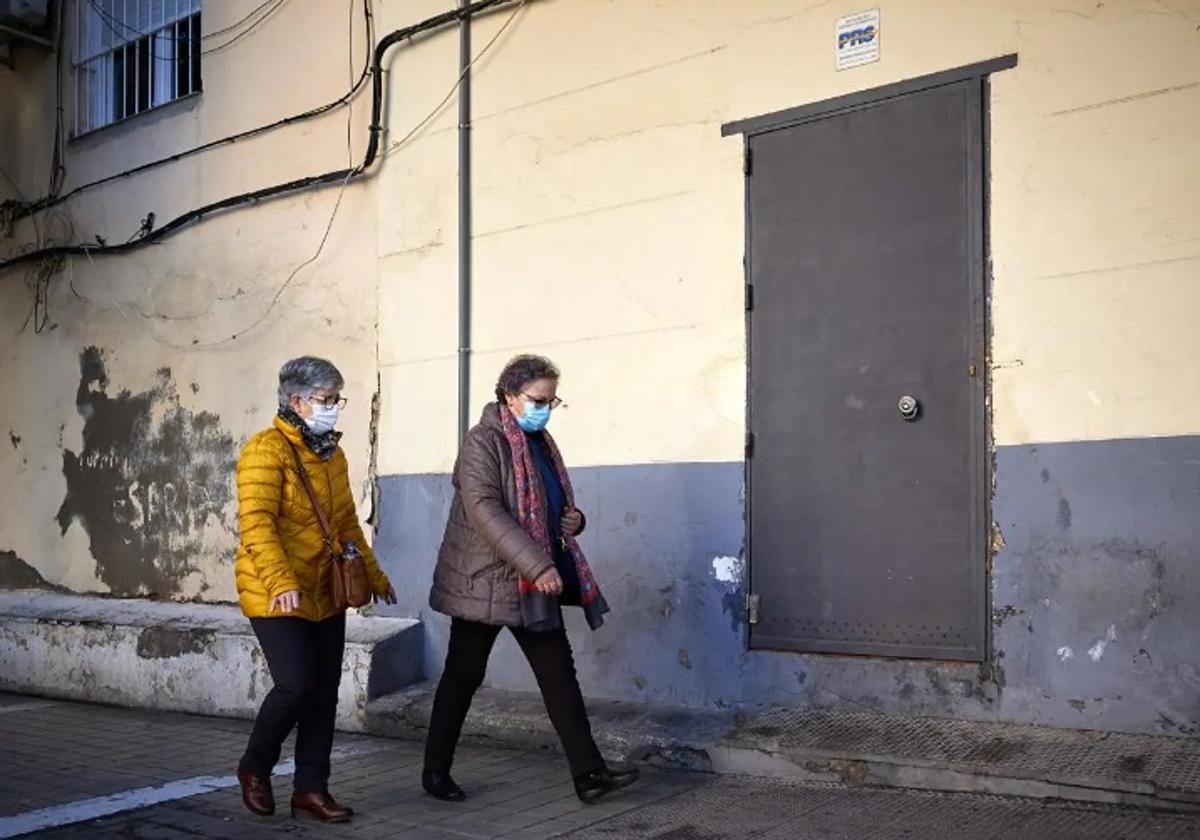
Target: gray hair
{"points": [[305, 376]]}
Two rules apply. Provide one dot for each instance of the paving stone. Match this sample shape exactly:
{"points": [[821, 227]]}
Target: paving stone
{"points": [[56, 754]]}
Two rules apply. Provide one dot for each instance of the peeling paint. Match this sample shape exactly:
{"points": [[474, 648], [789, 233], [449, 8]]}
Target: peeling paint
{"points": [[997, 538], [1065, 653], [999, 677], [1096, 651], [150, 478], [727, 569]]}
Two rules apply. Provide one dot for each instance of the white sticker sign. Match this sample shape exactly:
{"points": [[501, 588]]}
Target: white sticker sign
{"points": [[857, 39]]}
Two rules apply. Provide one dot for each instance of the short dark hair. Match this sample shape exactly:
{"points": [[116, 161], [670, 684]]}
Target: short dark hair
{"points": [[522, 370]]}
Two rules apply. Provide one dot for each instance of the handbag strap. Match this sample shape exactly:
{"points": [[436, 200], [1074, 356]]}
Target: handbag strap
{"points": [[326, 531]]}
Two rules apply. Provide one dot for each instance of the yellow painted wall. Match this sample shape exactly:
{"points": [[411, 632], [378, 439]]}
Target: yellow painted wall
{"points": [[609, 213], [177, 304], [609, 227]]}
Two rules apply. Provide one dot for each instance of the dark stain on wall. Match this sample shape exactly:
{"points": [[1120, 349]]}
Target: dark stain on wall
{"points": [[167, 642], [15, 439], [147, 480], [1003, 614], [1064, 514], [733, 604], [15, 573]]}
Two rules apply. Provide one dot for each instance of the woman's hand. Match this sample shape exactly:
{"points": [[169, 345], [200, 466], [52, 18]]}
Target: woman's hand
{"points": [[286, 602], [572, 521], [388, 596], [549, 583]]}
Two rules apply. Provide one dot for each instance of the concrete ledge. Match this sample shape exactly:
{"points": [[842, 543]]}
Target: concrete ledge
{"points": [[885, 750], [854, 748], [197, 658]]}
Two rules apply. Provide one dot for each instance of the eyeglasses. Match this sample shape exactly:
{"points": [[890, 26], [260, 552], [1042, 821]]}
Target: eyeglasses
{"points": [[328, 402], [554, 403]]}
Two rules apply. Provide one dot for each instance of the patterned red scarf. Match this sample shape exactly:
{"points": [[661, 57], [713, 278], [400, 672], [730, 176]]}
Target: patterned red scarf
{"points": [[539, 610]]}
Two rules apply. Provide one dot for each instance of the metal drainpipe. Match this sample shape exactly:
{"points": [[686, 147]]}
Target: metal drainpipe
{"points": [[464, 224]]}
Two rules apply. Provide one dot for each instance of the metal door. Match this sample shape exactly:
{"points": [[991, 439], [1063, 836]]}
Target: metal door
{"points": [[867, 479]]}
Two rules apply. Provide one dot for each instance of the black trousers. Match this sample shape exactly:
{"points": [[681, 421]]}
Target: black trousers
{"points": [[305, 658], [549, 655]]}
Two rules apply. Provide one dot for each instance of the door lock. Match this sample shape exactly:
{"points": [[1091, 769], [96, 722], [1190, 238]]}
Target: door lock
{"points": [[909, 408]]}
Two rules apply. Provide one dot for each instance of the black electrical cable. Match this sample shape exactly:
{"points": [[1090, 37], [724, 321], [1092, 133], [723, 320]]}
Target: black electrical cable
{"points": [[390, 40], [246, 31], [29, 208], [234, 26], [58, 169], [131, 35], [341, 175]]}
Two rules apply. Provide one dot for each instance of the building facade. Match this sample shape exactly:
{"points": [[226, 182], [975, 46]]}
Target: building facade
{"points": [[746, 232]]}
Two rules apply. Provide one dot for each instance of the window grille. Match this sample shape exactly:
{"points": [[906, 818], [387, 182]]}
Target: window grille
{"points": [[132, 56]]}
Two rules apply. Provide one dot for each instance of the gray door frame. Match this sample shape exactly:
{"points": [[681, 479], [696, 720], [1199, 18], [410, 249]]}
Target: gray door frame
{"points": [[980, 286]]}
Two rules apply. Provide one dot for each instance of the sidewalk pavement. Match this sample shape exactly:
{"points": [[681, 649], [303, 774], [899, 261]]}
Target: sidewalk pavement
{"points": [[79, 771]]}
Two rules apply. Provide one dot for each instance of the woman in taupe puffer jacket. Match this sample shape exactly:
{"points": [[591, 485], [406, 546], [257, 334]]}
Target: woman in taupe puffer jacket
{"points": [[510, 559]]}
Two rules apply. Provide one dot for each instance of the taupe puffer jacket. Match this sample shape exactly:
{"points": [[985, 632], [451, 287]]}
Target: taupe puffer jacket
{"points": [[485, 548]]}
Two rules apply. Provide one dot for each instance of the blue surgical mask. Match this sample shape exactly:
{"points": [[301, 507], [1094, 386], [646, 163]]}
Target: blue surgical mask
{"points": [[324, 418], [534, 418]]}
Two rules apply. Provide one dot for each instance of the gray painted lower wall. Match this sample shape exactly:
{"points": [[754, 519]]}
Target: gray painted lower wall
{"points": [[1096, 594], [1100, 557]]}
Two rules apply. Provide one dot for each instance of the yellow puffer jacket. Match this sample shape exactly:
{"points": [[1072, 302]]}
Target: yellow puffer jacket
{"points": [[281, 545]]}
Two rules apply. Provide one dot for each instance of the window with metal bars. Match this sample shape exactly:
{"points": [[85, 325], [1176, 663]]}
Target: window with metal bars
{"points": [[132, 56]]}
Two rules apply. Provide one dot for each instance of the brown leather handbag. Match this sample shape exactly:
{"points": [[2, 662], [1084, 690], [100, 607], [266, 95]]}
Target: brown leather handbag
{"points": [[349, 584]]}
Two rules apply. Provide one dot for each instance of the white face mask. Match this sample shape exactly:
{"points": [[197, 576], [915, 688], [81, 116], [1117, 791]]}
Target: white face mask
{"points": [[323, 419]]}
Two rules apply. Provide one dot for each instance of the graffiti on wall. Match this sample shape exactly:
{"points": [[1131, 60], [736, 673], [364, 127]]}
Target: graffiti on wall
{"points": [[151, 485]]}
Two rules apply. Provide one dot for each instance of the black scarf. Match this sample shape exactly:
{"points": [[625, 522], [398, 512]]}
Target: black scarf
{"points": [[323, 445]]}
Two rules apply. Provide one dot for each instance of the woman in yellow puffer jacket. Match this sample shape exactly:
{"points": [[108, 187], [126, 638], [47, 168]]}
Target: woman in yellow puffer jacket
{"points": [[283, 569]]}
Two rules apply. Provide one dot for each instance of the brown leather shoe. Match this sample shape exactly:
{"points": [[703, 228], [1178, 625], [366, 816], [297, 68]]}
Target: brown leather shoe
{"points": [[256, 793], [320, 806]]}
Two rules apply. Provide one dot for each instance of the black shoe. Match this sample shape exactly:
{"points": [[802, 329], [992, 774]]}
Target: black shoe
{"points": [[441, 786], [624, 773], [591, 786]]}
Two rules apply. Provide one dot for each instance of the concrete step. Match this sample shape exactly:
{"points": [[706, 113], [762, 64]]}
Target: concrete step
{"points": [[179, 657], [517, 719], [956, 755], [857, 748]]}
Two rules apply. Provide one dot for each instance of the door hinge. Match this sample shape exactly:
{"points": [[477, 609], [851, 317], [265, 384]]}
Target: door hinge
{"points": [[753, 603], [747, 161], [749, 297], [749, 445]]}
